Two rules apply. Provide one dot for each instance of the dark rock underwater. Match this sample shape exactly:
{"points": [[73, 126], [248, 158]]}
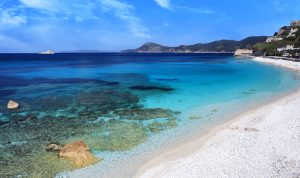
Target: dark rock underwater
{"points": [[96, 111]]}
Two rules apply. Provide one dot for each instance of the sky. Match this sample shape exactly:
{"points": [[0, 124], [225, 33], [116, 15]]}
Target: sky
{"points": [[113, 25]]}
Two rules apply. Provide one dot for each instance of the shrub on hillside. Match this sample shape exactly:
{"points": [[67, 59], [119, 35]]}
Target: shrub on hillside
{"points": [[267, 49]]}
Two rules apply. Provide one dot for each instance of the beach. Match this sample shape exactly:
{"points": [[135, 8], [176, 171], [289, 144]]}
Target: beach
{"points": [[264, 142], [149, 89]]}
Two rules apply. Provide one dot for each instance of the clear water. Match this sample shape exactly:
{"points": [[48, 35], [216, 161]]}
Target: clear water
{"points": [[120, 104]]}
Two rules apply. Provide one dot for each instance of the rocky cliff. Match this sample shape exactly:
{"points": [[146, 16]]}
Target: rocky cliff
{"points": [[287, 37]]}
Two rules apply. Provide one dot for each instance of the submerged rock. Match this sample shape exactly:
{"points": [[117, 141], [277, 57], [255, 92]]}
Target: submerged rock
{"points": [[12, 104], [3, 122], [195, 117], [144, 114], [119, 136], [54, 118], [53, 147], [166, 79], [141, 87], [156, 127], [78, 152], [105, 101]]}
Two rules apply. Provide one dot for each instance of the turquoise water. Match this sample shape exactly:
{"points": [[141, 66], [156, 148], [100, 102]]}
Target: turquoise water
{"points": [[121, 105]]}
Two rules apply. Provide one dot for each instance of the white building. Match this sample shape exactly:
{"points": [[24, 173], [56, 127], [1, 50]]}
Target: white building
{"points": [[243, 52], [288, 47], [273, 38], [295, 23], [292, 32]]}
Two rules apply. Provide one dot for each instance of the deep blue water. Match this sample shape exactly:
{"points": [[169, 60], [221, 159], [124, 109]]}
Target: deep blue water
{"points": [[115, 102]]}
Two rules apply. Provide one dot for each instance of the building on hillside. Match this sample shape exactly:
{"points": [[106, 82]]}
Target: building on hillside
{"points": [[295, 23], [270, 39], [273, 38], [281, 31], [292, 32], [243, 52], [287, 48]]}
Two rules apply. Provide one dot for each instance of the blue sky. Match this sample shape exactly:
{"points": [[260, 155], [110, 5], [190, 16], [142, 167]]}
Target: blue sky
{"points": [[38, 25]]}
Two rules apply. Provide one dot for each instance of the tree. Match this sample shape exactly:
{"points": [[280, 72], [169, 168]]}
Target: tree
{"points": [[267, 49]]}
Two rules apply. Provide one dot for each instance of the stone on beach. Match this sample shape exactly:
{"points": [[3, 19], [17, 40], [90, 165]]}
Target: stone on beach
{"points": [[233, 127], [12, 104], [78, 152], [251, 129]]}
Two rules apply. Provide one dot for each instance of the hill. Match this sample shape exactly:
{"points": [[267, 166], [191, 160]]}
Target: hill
{"points": [[216, 46], [285, 42]]}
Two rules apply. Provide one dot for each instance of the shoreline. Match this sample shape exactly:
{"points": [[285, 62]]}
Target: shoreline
{"points": [[187, 160], [293, 65]]}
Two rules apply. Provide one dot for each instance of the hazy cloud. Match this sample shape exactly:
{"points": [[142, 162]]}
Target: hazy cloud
{"points": [[9, 17], [167, 5], [280, 6], [63, 9], [124, 11], [164, 4], [11, 44], [91, 9], [194, 10], [49, 5]]}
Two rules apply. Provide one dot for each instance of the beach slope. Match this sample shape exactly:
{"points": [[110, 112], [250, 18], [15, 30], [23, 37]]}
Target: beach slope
{"points": [[262, 143]]}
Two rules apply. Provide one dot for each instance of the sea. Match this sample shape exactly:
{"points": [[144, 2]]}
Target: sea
{"points": [[125, 107]]}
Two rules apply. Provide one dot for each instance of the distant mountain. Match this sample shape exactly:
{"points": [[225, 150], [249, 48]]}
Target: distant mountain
{"points": [[216, 46]]}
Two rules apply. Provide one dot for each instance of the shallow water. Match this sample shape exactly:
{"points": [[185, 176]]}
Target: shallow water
{"points": [[117, 103]]}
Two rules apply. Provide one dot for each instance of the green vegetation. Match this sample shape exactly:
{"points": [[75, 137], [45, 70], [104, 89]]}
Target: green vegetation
{"points": [[297, 40], [270, 49], [218, 46], [267, 49]]}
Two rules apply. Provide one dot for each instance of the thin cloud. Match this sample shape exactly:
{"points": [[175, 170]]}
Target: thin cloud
{"points": [[164, 4], [79, 11], [280, 6], [8, 17], [48, 5], [124, 11], [195, 10], [60, 9], [11, 44]]}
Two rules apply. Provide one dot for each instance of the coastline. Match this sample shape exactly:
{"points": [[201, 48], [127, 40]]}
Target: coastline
{"points": [[252, 144], [279, 62]]}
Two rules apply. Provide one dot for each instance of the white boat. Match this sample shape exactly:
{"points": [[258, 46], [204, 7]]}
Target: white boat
{"points": [[47, 52]]}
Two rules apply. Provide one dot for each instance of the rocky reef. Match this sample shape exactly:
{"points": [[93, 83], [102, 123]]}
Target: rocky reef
{"points": [[105, 116], [118, 136], [156, 126], [78, 152], [144, 113], [141, 87]]}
